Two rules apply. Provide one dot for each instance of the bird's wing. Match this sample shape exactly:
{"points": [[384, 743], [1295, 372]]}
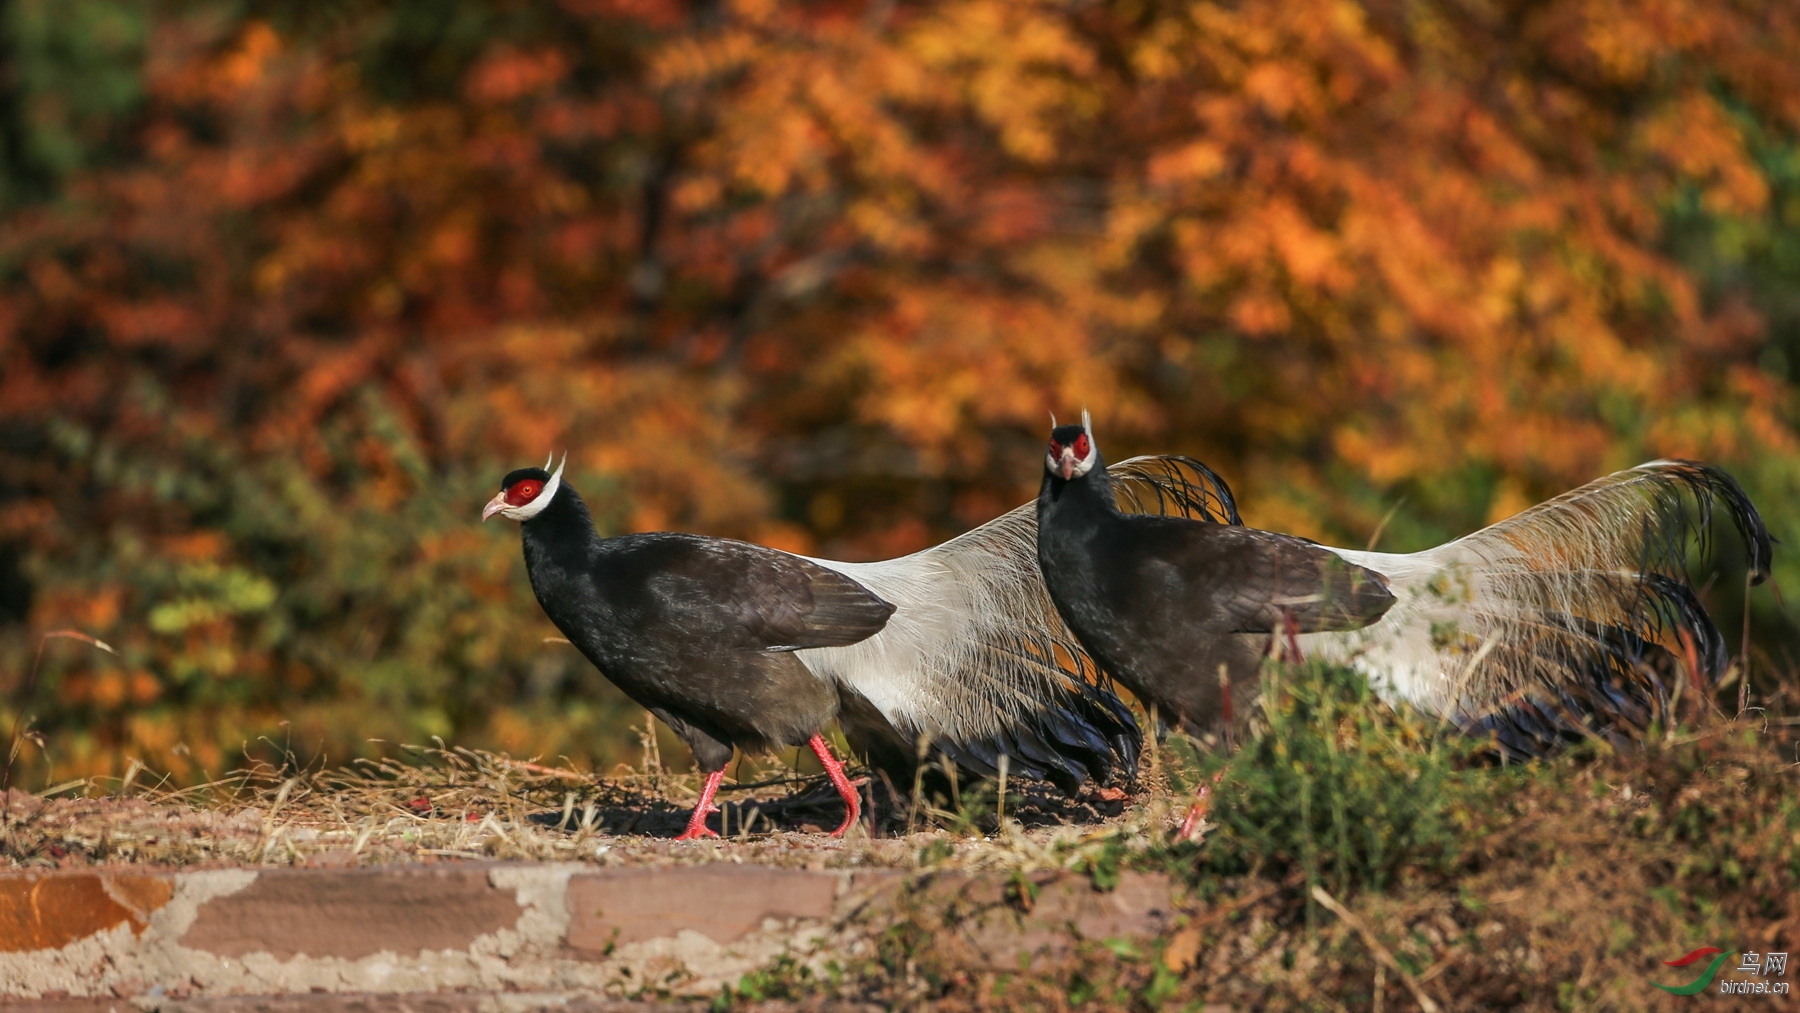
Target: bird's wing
{"points": [[784, 602], [977, 660], [1561, 617], [1253, 581]]}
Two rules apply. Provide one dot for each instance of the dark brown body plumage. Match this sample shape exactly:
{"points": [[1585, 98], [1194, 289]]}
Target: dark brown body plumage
{"points": [[1165, 604], [701, 631]]}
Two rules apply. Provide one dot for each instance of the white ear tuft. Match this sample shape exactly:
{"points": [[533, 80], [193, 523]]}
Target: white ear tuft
{"points": [[547, 460], [1052, 420], [537, 505], [1087, 423]]}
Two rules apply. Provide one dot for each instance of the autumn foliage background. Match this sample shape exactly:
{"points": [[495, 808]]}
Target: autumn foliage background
{"points": [[286, 286]]}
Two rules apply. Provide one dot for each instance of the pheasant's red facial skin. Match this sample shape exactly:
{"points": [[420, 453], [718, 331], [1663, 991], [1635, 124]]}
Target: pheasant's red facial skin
{"points": [[1071, 452], [524, 492]]}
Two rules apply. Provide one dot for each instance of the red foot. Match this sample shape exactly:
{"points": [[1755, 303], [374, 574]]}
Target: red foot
{"points": [[1190, 827], [697, 827], [835, 770]]}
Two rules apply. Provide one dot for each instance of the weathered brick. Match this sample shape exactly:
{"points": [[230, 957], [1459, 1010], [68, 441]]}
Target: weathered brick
{"points": [[474, 1002], [69, 1006], [352, 913], [48, 910], [722, 902], [411, 1002]]}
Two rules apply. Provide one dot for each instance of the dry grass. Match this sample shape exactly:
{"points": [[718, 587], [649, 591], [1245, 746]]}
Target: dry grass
{"points": [[1568, 881], [437, 802]]}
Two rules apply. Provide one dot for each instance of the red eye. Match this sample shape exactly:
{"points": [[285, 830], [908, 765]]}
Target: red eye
{"points": [[1055, 449], [1081, 446], [524, 492]]}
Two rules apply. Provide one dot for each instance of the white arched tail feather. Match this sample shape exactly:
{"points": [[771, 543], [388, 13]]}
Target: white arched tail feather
{"points": [[1536, 600], [975, 645]]}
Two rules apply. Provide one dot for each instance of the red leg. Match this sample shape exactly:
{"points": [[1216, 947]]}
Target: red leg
{"points": [[697, 823], [1190, 827], [852, 800], [1291, 630]]}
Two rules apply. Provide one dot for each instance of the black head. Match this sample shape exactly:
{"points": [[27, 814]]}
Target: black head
{"points": [[525, 493], [1073, 451]]}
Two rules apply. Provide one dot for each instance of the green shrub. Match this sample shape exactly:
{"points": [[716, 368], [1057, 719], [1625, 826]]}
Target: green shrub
{"points": [[1339, 786]]}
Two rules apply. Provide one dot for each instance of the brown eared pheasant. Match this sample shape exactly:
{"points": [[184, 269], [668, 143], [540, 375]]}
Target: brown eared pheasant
{"points": [[1566, 621], [973, 664]]}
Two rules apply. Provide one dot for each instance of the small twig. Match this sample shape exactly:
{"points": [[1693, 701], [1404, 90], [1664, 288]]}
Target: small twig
{"points": [[1237, 905], [1375, 536], [1462, 680], [1674, 708], [1744, 653], [30, 687], [135, 768], [1690, 652], [1225, 708], [1153, 749], [1712, 733], [918, 786], [1000, 797], [1381, 952], [538, 768], [1440, 967]]}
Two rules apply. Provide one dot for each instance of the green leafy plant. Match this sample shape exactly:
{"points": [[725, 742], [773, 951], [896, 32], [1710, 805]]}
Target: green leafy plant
{"points": [[1341, 787]]}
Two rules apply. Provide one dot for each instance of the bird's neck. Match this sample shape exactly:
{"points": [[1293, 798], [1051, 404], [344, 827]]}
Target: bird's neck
{"points": [[1091, 493], [563, 526]]}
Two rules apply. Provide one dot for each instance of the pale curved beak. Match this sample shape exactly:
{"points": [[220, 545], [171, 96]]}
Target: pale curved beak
{"points": [[494, 506], [1067, 463]]}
